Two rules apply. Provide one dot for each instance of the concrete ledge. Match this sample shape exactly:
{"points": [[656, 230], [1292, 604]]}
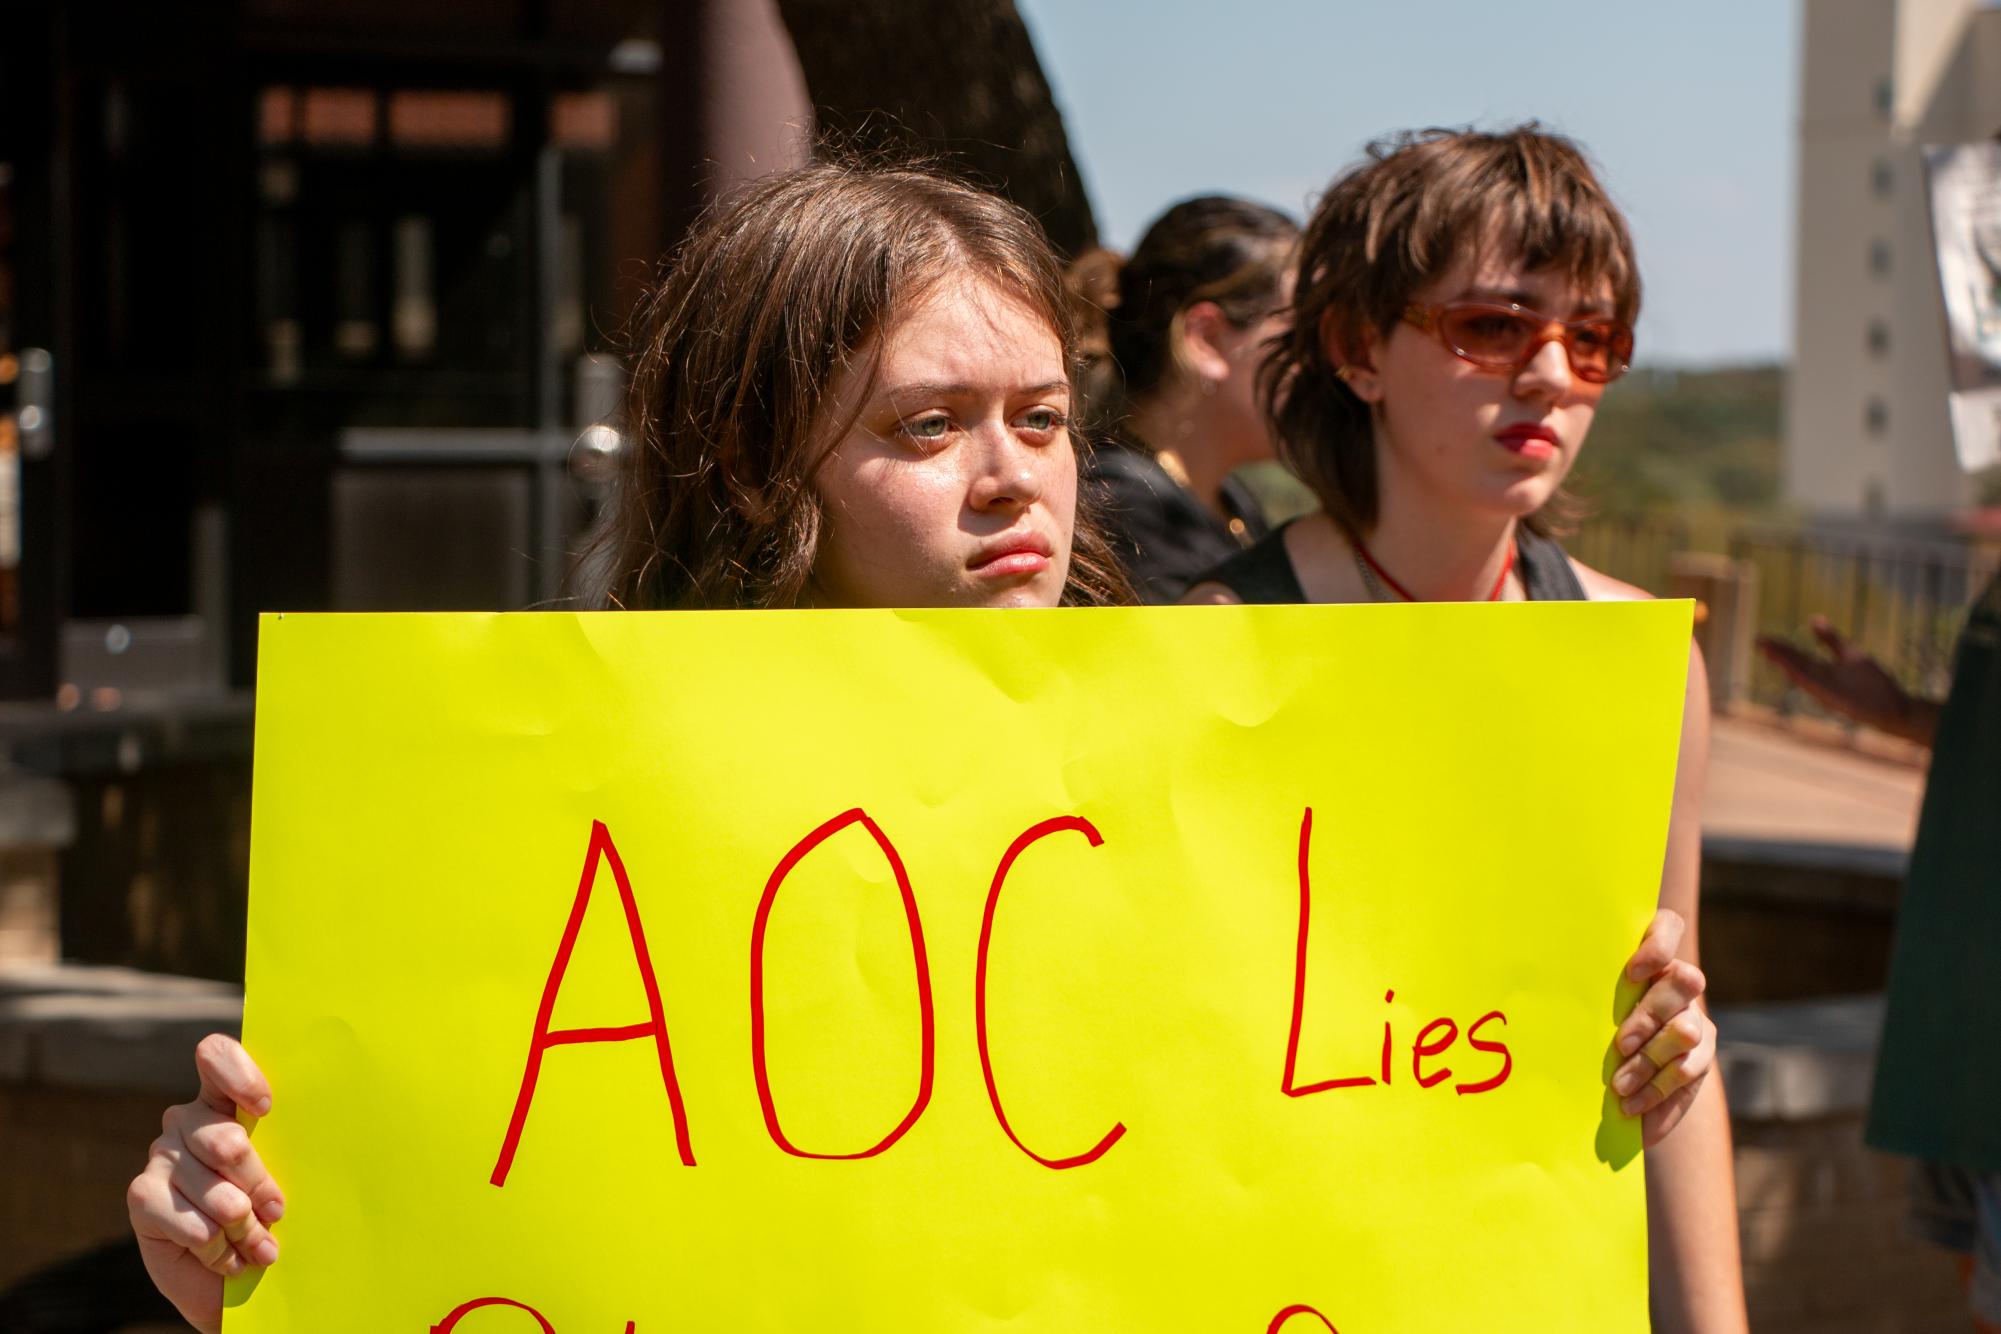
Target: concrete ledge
{"points": [[85, 1027], [1859, 859], [1799, 1060], [144, 730]]}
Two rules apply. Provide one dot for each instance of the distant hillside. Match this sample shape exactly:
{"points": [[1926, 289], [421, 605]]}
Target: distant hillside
{"points": [[1685, 440]]}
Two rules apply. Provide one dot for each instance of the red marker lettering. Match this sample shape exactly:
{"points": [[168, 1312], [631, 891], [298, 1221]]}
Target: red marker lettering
{"points": [[655, 1027], [1020, 845], [450, 1322], [927, 1061], [1291, 1089], [1421, 1049], [1278, 1321], [1500, 1048], [1388, 996]]}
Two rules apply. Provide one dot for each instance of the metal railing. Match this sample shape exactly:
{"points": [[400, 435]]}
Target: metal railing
{"points": [[1904, 601], [1636, 549]]}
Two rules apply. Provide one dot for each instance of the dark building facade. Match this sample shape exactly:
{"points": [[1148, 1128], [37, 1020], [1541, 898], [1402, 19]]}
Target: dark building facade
{"points": [[317, 305], [305, 305], [319, 295]]}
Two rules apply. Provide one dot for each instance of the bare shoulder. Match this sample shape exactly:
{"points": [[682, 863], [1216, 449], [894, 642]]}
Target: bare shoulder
{"points": [[1604, 588], [1210, 594]]}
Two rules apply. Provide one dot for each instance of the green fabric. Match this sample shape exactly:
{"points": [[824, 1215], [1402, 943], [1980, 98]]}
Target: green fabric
{"points": [[1938, 1077]]}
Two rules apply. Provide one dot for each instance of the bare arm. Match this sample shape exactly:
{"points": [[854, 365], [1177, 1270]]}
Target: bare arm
{"points": [[1698, 1284], [1853, 684]]}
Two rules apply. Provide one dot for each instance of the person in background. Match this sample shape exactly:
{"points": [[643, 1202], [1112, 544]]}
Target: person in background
{"points": [[1934, 1100], [1462, 300], [1185, 323]]}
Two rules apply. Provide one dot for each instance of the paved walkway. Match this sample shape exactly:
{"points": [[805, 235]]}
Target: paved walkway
{"points": [[1771, 783]]}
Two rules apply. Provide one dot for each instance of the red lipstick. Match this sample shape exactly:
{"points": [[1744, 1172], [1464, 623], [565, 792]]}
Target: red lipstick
{"points": [[1531, 440]]}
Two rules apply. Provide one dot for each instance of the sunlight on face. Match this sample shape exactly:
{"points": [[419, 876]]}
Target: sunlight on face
{"points": [[957, 484], [1475, 438]]}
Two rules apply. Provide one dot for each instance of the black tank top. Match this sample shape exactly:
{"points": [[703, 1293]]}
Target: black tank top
{"points": [[1263, 573]]}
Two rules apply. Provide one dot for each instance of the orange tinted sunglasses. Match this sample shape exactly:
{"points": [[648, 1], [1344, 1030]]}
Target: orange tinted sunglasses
{"points": [[1504, 339]]}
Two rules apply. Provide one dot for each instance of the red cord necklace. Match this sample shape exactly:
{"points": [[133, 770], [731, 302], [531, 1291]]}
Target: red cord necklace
{"points": [[1373, 571]]}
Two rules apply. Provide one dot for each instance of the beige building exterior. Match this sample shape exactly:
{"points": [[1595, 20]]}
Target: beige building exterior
{"points": [[1867, 431]]}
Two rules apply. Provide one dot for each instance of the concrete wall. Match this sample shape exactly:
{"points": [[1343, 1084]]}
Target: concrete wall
{"points": [[1867, 433], [1832, 463]]}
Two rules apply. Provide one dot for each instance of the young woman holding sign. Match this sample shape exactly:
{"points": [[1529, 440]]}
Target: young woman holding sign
{"points": [[854, 391], [1462, 301]]}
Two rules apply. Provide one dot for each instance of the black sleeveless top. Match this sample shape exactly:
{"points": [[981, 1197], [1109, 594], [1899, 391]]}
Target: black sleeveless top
{"points": [[1162, 535], [1264, 573]]}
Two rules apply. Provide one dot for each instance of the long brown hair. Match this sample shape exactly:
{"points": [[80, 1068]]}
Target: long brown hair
{"points": [[1388, 228], [773, 295]]}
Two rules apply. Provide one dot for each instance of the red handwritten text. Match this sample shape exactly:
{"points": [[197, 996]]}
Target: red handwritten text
{"points": [[1433, 1040], [655, 1027], [1427, 1051]]}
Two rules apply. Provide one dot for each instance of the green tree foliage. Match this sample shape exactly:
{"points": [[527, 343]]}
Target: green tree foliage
{"points": [[1686, 440]]}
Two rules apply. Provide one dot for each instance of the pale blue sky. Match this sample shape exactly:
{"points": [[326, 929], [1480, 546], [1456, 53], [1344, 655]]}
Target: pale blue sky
{"points": [[1689, 110]]}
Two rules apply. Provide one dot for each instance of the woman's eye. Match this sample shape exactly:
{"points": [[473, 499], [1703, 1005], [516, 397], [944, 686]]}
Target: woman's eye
{"points": [[1493, 328], [1041, 420], [927, 428]]}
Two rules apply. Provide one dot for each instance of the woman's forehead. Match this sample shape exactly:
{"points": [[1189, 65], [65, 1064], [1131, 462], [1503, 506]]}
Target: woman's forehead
{"points": [[969, 329], [1504, 274]]}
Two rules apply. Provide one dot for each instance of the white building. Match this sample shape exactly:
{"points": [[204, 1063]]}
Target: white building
{"points": [[1867, 433]]}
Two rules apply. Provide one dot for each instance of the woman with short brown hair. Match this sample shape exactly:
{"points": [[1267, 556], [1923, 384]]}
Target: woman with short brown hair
{"points": [[1462, 301]]}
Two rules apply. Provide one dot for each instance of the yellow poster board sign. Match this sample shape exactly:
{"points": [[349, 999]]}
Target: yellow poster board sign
{"points": [[1182, 969]]}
